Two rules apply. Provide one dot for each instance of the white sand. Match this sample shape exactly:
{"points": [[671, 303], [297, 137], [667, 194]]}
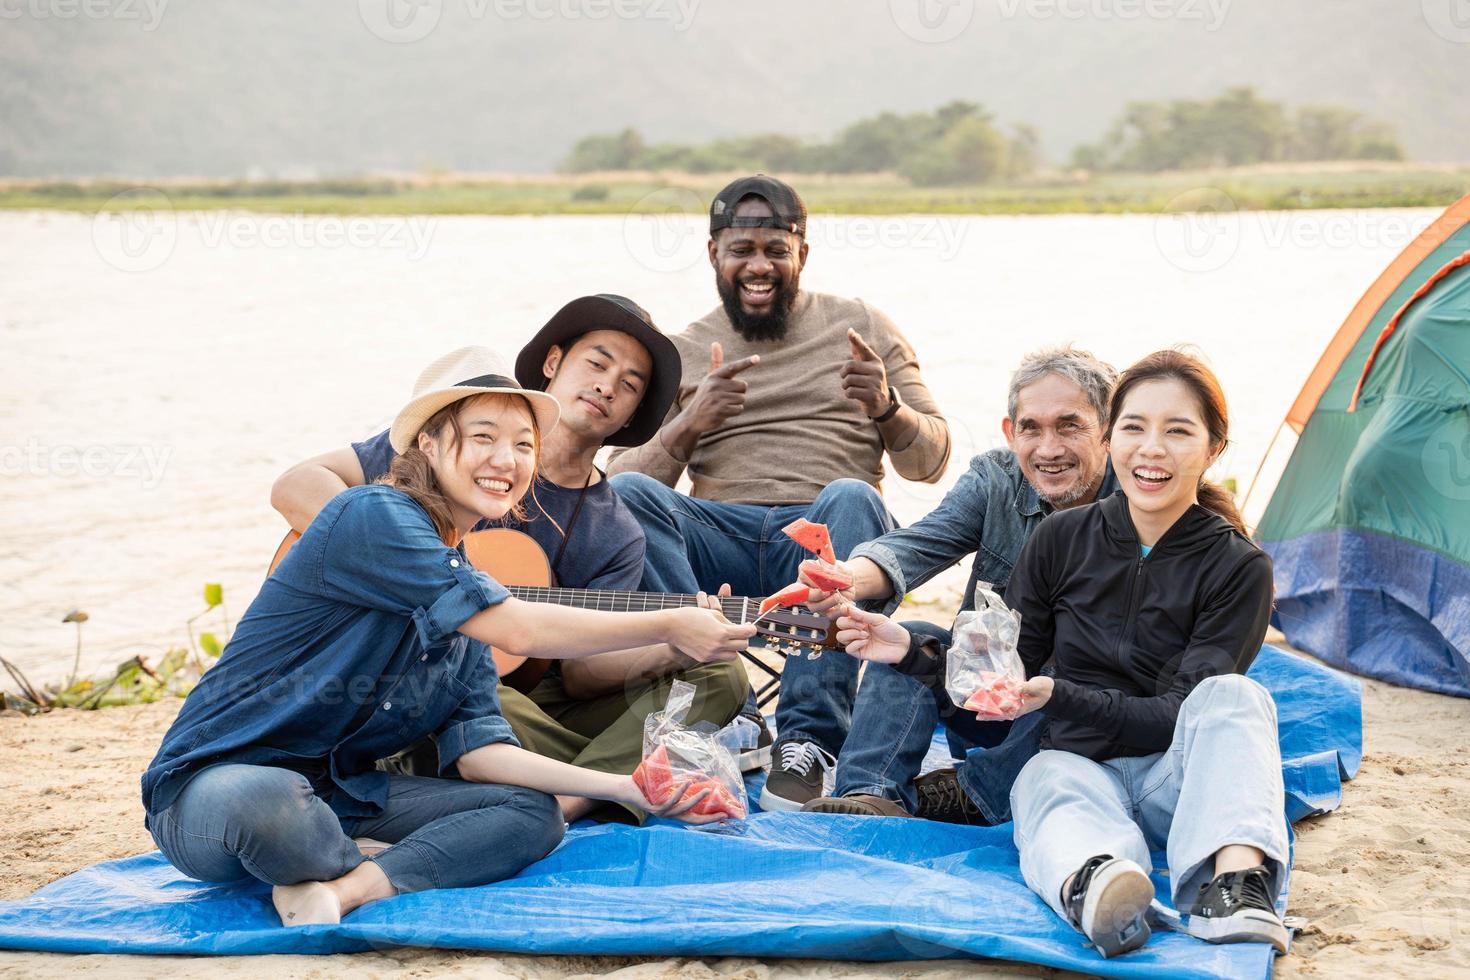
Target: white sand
{"points": [[1384, 880]]}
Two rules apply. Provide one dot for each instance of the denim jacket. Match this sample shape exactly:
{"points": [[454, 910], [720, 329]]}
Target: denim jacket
{"points": [[990, 511], [348, 654]]}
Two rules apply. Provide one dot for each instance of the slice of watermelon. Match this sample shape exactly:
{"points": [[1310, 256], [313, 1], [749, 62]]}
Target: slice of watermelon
{"points": [[720, 802], [654, 777], [812, 537], [828, 578], [998, 698], [792, 595]]}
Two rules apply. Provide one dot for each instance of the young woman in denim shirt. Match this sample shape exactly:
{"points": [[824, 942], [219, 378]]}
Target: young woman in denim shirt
{"points": [[371, 634], [1149, 606]]}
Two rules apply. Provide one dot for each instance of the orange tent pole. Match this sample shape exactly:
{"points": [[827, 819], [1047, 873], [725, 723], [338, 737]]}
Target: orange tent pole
{"points": [[1454, 218]]}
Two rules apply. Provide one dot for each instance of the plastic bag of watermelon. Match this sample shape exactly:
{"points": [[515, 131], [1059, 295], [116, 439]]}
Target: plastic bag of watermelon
{"points": [[983, 671], [698, 758]]}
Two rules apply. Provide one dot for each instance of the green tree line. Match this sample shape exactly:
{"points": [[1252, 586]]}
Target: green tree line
{"points": [[961, 143]]}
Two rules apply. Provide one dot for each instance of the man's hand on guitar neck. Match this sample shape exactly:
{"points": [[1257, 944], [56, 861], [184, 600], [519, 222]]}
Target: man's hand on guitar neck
{"points": [[301, 492]]}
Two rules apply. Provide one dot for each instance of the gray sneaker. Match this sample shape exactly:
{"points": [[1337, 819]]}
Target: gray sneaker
{"points": [[798, 769]]}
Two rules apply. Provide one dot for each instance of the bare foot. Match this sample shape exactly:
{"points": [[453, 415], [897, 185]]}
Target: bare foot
{"points": [[311, 903]]}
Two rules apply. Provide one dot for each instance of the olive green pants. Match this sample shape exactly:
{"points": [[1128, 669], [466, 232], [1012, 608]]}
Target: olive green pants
{"points": [[604, 733]]}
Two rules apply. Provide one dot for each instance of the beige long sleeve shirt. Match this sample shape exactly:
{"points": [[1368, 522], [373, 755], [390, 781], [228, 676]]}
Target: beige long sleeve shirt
{"points": [[798, 431]]}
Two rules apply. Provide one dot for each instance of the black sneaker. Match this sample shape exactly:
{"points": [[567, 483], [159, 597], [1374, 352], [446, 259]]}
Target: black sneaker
{"points": [[1108, 903], [942, 798], [1236, 908], [753, 760], [859, 804], [797, 771]]}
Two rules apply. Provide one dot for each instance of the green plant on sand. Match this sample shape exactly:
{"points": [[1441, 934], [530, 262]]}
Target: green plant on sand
{"points": [[135, 681]]}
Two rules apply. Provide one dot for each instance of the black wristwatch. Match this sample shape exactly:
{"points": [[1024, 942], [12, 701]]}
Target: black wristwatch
{"points": [[893, 406]]}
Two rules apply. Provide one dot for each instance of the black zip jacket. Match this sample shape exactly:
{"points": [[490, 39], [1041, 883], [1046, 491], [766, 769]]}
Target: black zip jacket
{"points": [[1129, 637]]}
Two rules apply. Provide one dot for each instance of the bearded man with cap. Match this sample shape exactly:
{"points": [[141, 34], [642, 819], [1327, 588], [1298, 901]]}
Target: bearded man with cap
{"points": [[790, 400], [615, 374]]}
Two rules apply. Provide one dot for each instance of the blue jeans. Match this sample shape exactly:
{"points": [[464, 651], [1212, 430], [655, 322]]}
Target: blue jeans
{"points": [[233, 821], [892, 727], [699, 544], [1221, 776]]}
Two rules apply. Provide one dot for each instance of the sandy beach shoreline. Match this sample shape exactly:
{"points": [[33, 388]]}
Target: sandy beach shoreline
{"points": [[1382, 881]]}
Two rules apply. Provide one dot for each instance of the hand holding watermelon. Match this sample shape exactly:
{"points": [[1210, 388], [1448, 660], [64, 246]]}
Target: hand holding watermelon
{"points": [[1000, 697], [687, 795], [688, 774]]}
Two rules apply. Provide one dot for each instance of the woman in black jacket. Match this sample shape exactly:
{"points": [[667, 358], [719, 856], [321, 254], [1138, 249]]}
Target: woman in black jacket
{"points": [[1149, 606]]}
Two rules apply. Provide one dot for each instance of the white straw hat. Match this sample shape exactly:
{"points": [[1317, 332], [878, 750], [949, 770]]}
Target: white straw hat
{"points": [[461, 374]]}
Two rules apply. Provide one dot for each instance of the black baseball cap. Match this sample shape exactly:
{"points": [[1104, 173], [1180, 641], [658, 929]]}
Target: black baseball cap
{"points": [[790, 212], [608, 311]]}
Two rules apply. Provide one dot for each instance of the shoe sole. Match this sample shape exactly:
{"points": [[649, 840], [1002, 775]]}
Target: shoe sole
{"points": [[1116, 921], [1246, 926], [840, 805], [755, 759], [778, 804]]}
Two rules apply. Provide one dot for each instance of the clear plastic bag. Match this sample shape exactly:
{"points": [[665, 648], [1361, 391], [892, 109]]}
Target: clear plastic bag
{"points": [[983, 671], [700, 756]]}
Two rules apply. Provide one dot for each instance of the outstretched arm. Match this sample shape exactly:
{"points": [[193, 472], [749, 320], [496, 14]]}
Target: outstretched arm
{"points": [[504, 763], [534, 629]]}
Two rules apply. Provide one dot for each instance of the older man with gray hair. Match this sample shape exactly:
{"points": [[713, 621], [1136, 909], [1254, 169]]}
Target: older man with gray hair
{"points": [[1056, 458]]}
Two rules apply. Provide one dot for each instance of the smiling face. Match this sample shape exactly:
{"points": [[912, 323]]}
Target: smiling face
{"points": [[489, 468], [1057, 438], [1161, 448], [757, 273], [600, 380]]}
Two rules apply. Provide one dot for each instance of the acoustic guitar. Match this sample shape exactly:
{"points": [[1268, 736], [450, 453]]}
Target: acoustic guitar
{"points": [[516, 561]]}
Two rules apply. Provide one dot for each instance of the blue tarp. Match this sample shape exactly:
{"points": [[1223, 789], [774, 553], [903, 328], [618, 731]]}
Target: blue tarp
{"points": [[848, 888]]}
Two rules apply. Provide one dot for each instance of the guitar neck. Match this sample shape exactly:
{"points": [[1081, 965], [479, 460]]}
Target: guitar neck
{"points": [[737, 609]]}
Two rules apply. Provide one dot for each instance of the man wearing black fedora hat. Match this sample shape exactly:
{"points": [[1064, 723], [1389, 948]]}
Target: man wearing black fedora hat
{"points": [[615, 375]]}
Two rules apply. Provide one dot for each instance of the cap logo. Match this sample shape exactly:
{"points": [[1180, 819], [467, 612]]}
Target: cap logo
{"points": [[719, 207]]}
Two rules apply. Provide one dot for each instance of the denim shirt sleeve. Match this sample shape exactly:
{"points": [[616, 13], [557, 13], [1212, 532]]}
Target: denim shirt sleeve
{"points": [[382, 552], [374, 455], [913, 555], [477, 721]]}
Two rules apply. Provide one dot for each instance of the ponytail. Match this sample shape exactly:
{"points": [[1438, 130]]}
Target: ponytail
{"points": [[1213, 497]]}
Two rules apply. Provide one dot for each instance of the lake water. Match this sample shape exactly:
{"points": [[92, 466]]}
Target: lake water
{"points": [[158, 371]]}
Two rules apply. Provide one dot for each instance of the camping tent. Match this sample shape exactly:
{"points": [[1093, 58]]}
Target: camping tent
{"points": [[1369, 524]]}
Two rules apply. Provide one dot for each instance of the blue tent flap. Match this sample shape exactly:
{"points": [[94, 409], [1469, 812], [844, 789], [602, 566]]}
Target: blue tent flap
{"points": [[848, 888]]}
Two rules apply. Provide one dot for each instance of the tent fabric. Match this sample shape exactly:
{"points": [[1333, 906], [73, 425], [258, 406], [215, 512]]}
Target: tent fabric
{"points": [[1369, 525], [784, 885]]}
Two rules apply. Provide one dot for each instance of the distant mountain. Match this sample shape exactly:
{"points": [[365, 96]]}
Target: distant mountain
{"points": [[281, 88]]}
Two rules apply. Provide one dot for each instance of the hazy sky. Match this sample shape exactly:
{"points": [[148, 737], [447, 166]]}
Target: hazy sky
{"points": [[152, 87]]}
